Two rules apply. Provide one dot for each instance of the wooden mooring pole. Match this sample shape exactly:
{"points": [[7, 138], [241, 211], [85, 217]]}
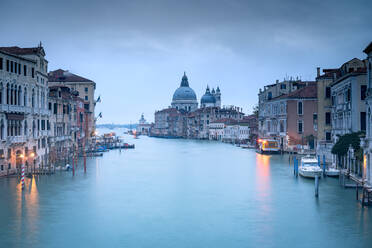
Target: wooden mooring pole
{"points": [[295, 166], [316, 186], [73, 162]]}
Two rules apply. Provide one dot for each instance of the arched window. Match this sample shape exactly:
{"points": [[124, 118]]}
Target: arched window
{"points": [[7, 93], [33, 98], [25, 128], [33, 128], [19, 95], [25, 97], [2, 129], [1, 93], [11, 94]]}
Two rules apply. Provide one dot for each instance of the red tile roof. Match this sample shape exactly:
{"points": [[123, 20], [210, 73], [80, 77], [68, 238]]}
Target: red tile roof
{"points": [[65, 76], [309, 91], [225, 120], [169, 111], [22, 51]]}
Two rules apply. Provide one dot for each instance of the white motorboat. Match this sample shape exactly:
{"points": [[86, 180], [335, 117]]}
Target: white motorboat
{"points": [[309, 167], [332, 171]]}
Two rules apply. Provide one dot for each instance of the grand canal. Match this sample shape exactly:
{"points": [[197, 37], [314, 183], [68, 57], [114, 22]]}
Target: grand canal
{"points": [[181, 193]]}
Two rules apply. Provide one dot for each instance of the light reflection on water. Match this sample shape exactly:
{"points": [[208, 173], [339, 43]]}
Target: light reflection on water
{"points": [[180, 193]]}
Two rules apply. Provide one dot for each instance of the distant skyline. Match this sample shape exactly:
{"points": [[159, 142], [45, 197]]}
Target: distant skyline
{"points": [[137, 51]]}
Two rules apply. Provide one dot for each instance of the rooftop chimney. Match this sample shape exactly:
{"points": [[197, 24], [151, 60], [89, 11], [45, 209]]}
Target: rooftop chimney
{"points": [[318, 71]]}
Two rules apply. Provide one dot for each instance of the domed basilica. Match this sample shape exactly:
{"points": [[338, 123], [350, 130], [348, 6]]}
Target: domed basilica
{"points": [[184, 98]]}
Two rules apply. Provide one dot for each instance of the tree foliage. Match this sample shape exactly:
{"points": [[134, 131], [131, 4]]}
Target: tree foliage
{"points": [[342, 145]]}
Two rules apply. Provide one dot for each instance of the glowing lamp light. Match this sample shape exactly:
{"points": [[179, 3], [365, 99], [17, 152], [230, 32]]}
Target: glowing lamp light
{"points": [[32, 155], [21, 156], [365, 161]]}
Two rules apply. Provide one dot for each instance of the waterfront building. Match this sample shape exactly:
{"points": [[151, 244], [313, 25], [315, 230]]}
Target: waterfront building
{"points": [[236, 132], [348, 93], [272, 115], [63, 123], [324, 123], [23, 108], [216, 129], [80, 123], [198, 121], [169, 122], [230, 130], [184, 97], [367, 146], [143, 126], [290, 118], [86, 89], [252, 121]]}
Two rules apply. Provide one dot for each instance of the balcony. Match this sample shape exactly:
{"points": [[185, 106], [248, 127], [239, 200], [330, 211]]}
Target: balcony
{"points": [[16, 139], [62, 138], [40, 111], [44, 133], [14, 108]]}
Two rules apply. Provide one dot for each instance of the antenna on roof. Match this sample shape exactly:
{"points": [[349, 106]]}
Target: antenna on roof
{"points": [[40, 45]]}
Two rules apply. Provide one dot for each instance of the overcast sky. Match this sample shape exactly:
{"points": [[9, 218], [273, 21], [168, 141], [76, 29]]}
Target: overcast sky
{"points": [[137, 51]]}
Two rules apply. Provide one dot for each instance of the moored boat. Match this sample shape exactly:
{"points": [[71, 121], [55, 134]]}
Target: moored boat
{"points": [[268, 146], [309, 167], [332, 171]]}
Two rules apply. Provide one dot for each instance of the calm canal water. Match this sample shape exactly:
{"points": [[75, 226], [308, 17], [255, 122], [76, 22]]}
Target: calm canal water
{"points": [[181, 193]]}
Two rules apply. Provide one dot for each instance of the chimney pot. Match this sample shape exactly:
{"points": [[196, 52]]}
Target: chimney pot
{"points": [[318, 71]]}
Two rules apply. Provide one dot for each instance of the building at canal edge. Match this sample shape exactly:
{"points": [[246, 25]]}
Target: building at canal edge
{"points": [[312, 115], [45, 118]]}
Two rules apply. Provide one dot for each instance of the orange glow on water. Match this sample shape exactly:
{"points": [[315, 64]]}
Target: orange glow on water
{"points": [[263, 170]]}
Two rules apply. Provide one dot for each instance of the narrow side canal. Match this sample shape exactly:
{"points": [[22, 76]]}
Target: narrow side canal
{"points": [[181, 193]]}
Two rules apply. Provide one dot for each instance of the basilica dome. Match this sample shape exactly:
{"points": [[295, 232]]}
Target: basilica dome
{"points": [[184, 92], [184, 97]]}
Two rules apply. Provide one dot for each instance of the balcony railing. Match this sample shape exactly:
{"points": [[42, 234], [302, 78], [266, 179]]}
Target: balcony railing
{"points": [[16, 139], [14, 108]]}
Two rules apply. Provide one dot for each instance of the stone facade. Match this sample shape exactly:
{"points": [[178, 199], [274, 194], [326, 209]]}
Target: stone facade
{"points": [[348, 99], [39, 125], [63, 138], [169, 122], [85, 88], [143, 127], [289, 118], [368, 140], [23, 108]]}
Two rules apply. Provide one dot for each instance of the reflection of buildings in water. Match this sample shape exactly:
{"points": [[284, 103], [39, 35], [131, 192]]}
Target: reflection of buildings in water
{"points": [[27, 207], [263, 169], [263, 187]]}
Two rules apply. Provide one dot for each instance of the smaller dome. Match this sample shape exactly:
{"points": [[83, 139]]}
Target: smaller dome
{"points": [[208, 97]]}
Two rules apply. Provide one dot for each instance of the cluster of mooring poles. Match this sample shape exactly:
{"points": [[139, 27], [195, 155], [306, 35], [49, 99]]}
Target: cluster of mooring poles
{"points": [[316, 181]]}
